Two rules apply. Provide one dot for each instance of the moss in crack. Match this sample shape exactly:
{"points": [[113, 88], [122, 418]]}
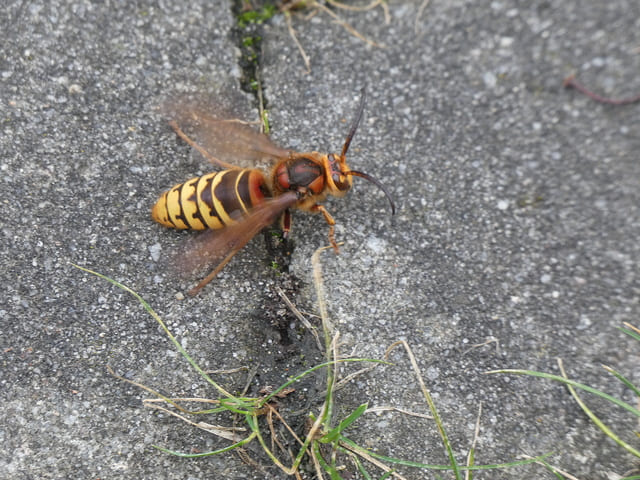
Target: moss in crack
{"points": [[257, 15], [248, 34], [279, 250], [273, 314], [250, 16]]}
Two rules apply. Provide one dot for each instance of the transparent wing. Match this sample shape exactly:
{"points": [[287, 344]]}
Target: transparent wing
{"points": [[217, 247], [231, 141]]}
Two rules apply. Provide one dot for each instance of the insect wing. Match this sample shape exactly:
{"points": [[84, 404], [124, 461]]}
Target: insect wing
{"points": [[219, 246], [230, 140]]}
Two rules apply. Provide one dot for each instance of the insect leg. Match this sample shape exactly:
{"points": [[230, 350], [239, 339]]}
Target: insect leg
{"points": [[329, 219], [285, 223], [194, 291]]}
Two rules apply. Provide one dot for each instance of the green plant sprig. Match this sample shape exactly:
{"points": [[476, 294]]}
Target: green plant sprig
{"points": [[321, 432]]}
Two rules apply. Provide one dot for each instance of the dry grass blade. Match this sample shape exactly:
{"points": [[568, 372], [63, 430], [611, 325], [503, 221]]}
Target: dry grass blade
{"points": [[183, 399], [250, 376], [430, 403], [300, 316], [363, 8], [399, 410], [421, 9], [348, 27], [372, 460], [287, 7], [319, 287], [223, 432], [631, 327], [554, 470], [487, 342], [294, 37], [347, 379], [275, 441], [227, 371], [288, 427], [160, 397], [414, 364], [476, 434]]}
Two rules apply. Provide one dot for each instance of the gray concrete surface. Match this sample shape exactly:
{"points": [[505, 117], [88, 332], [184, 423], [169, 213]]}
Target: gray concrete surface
{"points": [[518, 221]]}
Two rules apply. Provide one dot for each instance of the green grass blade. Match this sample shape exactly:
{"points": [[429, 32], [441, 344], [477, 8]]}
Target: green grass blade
{"points": [[471, 461], [313, 369], [601, 425], [552, 469], [363, 471], [157, 318], [252, 421], [333, 435], [355, 447], [575, 384], [207, 454], [624, 380], [631, 333], [327, 467], [440, 425]]}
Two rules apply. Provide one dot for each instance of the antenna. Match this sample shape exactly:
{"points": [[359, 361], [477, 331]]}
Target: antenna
{"points": [[354, 125], [375, 182]]}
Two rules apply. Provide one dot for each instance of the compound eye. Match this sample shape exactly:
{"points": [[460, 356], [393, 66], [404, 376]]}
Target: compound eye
{"points": [[282, 177], [341, 181]]}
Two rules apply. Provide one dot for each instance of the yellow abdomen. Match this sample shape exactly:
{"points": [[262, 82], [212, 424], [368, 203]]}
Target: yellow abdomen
{"points": [[214, 200]]}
